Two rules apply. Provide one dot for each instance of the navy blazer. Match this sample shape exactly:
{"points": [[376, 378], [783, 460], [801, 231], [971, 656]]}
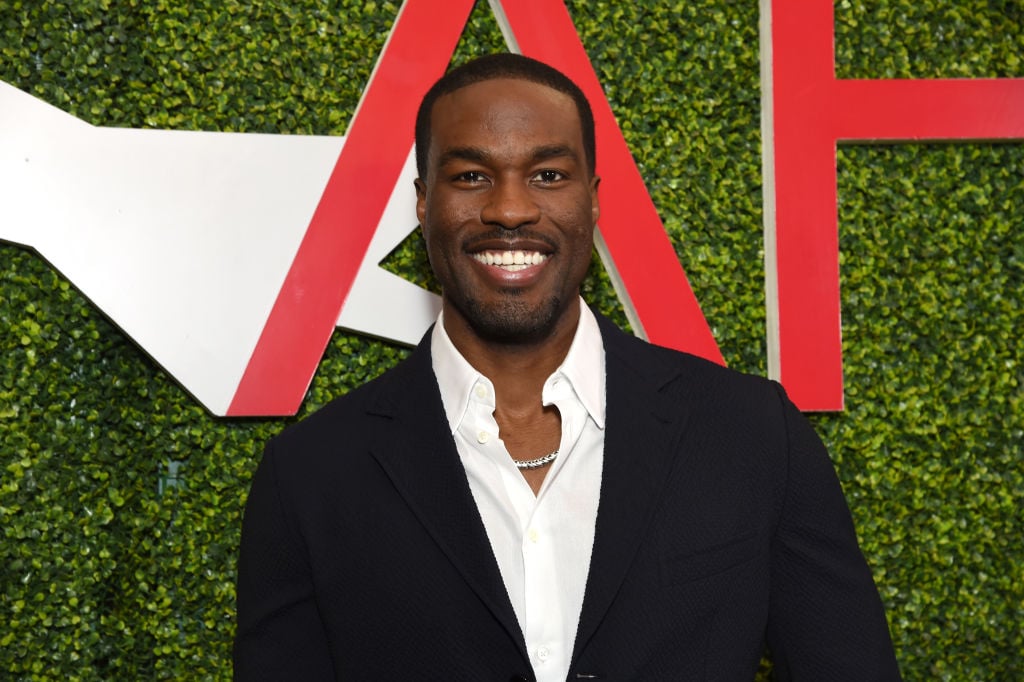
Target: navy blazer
{"points": [[721, 529]]}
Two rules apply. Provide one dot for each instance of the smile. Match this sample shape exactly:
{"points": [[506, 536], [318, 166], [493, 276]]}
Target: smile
{"points": [[511, 261]]}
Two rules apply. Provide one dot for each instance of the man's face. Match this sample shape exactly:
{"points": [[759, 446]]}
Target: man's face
{"points": [[508, 208]]}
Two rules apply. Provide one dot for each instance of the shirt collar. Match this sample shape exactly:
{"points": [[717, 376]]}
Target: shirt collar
{"points": [[583, 367]]}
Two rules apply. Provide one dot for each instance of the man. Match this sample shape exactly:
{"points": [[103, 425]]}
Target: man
{"points": [[533, 494]]}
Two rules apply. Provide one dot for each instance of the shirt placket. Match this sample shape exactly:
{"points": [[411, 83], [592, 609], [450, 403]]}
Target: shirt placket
{"points": [[543, 602]]}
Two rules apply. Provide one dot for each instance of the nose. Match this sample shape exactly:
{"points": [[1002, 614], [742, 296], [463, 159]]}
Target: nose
{"points": [[510, 205]]}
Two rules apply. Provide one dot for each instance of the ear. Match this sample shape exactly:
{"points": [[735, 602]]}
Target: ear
{"points": [[421, 199], [595, 206]]}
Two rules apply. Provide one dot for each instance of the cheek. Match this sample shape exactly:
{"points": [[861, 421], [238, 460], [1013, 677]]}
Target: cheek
{"points": [[445, 217], [577, 223]]}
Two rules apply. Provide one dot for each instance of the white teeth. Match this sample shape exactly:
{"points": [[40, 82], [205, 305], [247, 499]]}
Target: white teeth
{"points": [[511, 260]]}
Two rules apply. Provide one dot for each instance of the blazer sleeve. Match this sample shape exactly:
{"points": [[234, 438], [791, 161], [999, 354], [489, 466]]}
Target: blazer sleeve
{"points": [[280, 634], [826, 620]]}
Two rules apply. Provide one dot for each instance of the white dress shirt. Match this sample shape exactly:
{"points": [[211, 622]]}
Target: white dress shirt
{"points": [[542, 542]]}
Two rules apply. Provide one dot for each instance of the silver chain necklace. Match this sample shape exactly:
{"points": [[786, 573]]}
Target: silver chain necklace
{"points": [[536, 463]]}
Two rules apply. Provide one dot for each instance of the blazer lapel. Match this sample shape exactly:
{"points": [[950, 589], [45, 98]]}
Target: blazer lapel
{"points": [[419, 455], [643, 428]]}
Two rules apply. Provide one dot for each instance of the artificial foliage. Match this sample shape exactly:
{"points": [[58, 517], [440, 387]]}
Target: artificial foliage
{"points": [[121, 499]]}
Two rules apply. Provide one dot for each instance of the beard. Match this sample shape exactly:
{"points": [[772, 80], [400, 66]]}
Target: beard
{"points": [[511, 321]]}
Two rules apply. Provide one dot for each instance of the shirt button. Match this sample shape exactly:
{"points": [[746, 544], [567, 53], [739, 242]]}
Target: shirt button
{"points": [[481, 391], [543, 653], [533, 535], [483, 437]]}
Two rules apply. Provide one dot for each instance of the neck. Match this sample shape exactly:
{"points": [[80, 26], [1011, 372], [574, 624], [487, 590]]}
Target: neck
{"points": [[517, 370]]}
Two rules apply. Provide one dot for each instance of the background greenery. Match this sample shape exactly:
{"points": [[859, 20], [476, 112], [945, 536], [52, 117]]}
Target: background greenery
{"points": [[121, 499]]}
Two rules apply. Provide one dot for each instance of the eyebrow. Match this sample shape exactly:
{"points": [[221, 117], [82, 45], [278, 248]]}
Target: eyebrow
{"points": [[478, 155], [554, 151], [462, 154]]}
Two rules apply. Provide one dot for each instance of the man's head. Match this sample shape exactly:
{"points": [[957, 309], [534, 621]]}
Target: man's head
{"points": [[507, 199], [510, 66]]}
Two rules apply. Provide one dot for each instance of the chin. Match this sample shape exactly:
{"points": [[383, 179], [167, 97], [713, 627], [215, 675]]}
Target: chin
{"points": [[514, 321]]}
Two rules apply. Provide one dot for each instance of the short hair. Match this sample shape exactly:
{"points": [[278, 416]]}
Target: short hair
{"points": [[503, 65]]}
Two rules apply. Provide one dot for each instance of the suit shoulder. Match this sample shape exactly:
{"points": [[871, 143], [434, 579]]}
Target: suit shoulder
{"points": [[347, 416], [686, 368]]}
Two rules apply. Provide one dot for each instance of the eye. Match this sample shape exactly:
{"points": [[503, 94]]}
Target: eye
{"points": [[471, 178], [548, 176]]}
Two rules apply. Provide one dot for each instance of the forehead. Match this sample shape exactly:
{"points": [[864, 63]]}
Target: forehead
{"points": [[502, 110]]}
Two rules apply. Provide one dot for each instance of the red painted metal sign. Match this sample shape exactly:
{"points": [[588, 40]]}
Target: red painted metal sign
{"points": [[808, 111]]}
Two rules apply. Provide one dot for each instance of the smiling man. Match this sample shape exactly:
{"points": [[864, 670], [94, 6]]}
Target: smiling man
{"points": [[533, 494]]}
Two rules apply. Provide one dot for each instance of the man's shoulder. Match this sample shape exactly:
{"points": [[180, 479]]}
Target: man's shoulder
{"points": [[700, 386], [356, 411], [667, 362]]}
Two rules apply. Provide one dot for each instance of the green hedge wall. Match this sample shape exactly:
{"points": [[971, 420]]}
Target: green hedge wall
{"points": [[121, 499]]}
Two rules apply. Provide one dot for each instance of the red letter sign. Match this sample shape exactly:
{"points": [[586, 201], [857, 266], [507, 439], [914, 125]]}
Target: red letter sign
{"points": [[807, 111]]}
